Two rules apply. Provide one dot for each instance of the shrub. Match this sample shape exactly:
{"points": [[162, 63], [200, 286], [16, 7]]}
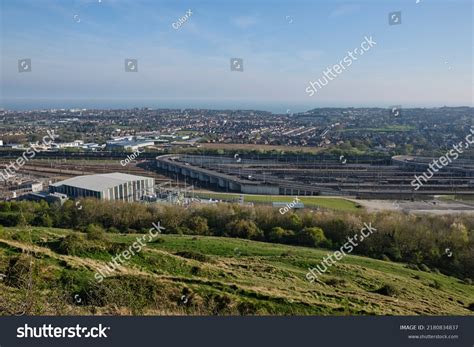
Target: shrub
{"points": [[19, 270], [244, 229], [388, 290], [5, 206], [246, 308], [95, 232], [127, 291], [157, 240], [43, 220], [280, 235], [219, 304], [72, 244], [193, 255], [117, 247], [425, 268], [10, 219], [198, 226], [311, 237], [334, 281], [435, 284], [337, 230], [21, 235], [412, 267]]}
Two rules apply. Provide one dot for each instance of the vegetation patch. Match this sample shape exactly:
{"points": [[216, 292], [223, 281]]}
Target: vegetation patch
{"points": [[388, 290], [193, 255]]}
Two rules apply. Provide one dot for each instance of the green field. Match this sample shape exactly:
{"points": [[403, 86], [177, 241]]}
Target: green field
{"points": [[212, 276], [308, 201], [460, 198]]}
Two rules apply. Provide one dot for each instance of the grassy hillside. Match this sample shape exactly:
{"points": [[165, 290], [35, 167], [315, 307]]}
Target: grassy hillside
{"points": [[209, 275]]}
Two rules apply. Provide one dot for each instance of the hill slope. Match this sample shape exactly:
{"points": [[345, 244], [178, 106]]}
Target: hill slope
{"points": [[208, 275]]}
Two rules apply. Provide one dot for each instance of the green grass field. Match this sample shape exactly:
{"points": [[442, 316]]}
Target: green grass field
{"points": [[461, 198], [187, 275], [309, 201]]}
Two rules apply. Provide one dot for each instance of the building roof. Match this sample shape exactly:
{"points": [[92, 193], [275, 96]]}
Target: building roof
{"points": [[99, 182], [126, 143]]}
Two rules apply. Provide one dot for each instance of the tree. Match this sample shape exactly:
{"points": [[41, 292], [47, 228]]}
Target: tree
{"points": [[244, 229], [198, 225], [280, 235], [312, 237]]}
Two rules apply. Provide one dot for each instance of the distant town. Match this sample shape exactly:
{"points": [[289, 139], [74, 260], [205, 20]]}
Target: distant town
{"points": [[164, 155], [414, 131]]}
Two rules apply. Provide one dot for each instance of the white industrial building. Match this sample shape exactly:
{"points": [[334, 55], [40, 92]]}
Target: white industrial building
{"points": [[111, 186], [127, 144]]}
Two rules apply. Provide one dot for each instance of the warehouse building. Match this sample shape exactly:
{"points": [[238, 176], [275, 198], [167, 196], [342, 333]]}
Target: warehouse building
{"points": [[111, 186]]}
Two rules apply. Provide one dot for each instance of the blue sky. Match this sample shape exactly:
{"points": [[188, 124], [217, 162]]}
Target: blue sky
{"points": [[78, 49]]}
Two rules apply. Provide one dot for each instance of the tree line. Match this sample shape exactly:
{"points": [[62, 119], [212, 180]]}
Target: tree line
{"points": [[437, 243]]}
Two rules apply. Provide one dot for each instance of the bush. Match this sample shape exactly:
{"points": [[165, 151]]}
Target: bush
{"points": [[388, 290], [334, 281], [157, 240], [135, 293], [198, 226], [435, 284], [72, 244], [43, 220], [10, 219], [21, 235], [193, 255], [18, 271], [219, 304], [246, 308], [244, 229], [280, 235], [425, 268], [95, 232], [117, 247], [311, 237], [412, 267]]}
